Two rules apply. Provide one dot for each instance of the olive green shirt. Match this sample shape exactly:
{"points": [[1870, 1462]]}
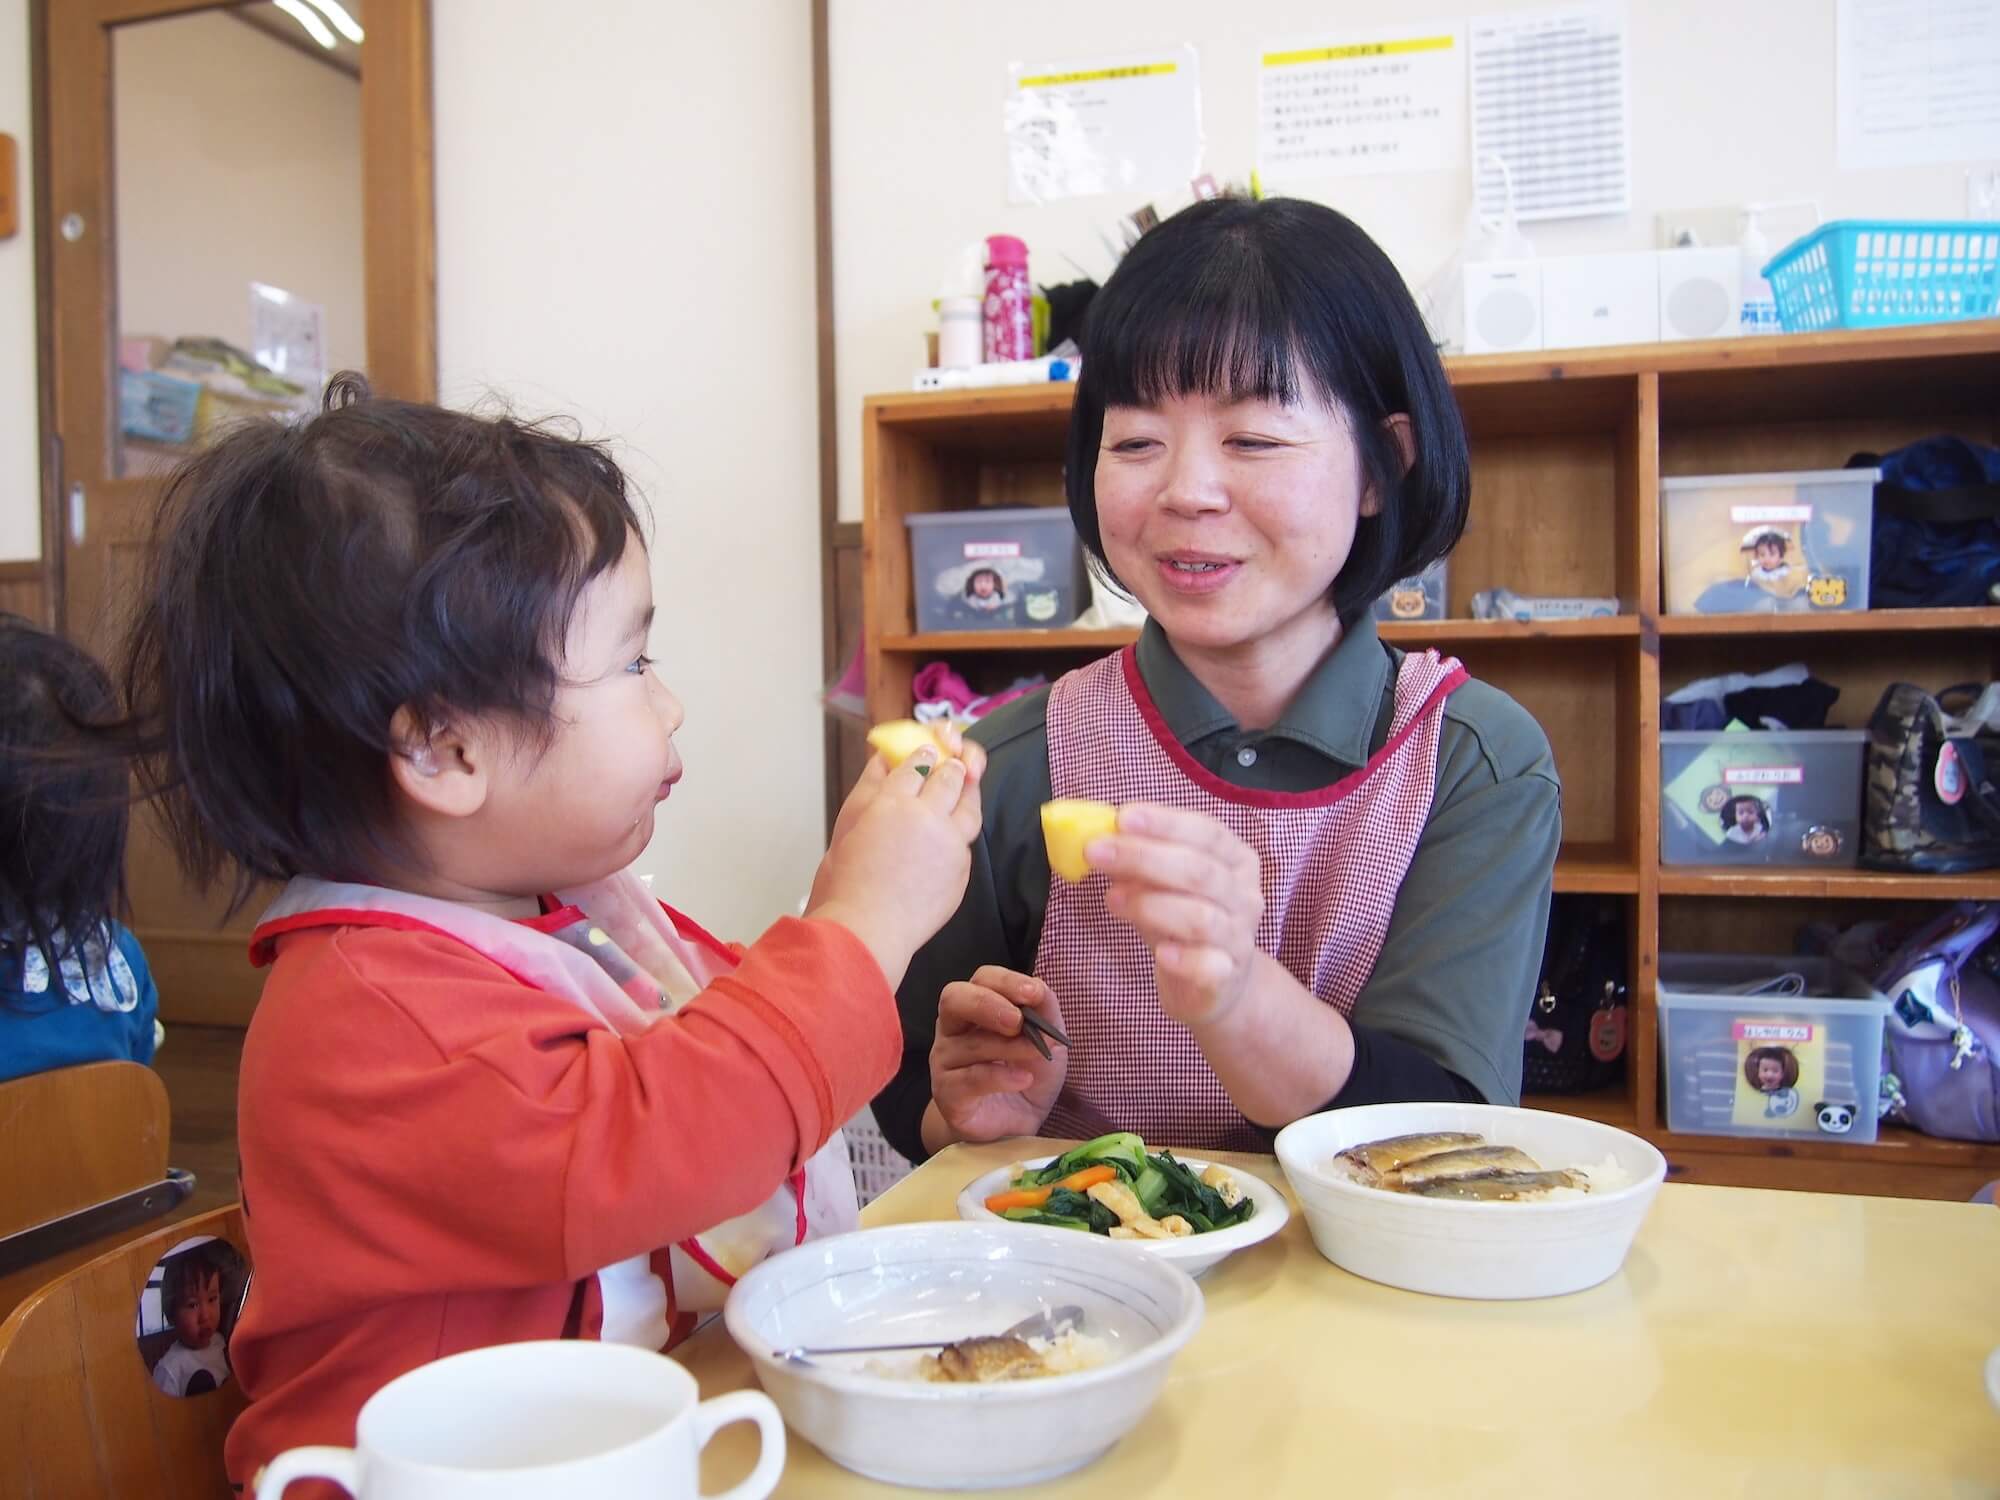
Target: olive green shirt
{"points": [[1464, 947]]}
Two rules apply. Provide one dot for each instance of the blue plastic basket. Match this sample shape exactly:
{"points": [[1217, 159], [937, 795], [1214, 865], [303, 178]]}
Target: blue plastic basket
{"points": [[1876, 273]]}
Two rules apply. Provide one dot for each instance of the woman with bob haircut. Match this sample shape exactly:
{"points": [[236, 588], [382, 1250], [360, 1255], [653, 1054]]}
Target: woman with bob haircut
{"points": [[1330, 878]]}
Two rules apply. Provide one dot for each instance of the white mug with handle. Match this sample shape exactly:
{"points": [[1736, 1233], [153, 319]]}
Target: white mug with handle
{"points": [[527, 1421]]}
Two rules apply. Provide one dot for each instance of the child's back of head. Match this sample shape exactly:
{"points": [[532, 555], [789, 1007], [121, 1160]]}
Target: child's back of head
{"points": [[307, 584], [63, 803]]}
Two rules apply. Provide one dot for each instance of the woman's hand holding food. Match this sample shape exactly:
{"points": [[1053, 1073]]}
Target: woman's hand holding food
{"points": [[1194, 892]]}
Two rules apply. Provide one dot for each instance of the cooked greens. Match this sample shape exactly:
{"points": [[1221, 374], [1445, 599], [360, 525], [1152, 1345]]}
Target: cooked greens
{"points": [[1114, 1186]]}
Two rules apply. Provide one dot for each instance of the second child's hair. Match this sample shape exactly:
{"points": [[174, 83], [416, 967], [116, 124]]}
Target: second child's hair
{"points": [[1282, 300], [63, 814], [306, 582]]}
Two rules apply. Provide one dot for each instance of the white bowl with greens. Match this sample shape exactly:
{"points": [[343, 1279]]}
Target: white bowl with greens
{"points": [[1230, 1211]]}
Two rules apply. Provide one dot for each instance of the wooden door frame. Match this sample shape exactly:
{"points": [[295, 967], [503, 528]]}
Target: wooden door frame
{"points": [[198, 965], [77, 318]]}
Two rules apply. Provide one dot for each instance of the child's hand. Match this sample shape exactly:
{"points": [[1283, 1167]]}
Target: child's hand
{"points": [[900, 855], [1194, 891], [987, 1079]]}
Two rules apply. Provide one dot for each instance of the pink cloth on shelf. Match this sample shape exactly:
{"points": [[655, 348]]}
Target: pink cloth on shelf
{"points": [[940, 690]]}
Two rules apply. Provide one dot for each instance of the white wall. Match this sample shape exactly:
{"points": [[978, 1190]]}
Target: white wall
{"points": [[238, 160], [624, 195], [20, 462], [1731, 102]]}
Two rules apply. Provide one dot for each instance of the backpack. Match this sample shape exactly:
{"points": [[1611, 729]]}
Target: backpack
{"points": [[1941, 1040], [1930, 799], [1576, 1028], [1936, 534]]}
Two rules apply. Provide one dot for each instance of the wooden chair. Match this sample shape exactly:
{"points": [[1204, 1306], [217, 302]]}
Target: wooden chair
{"points": [[86, 1156], [80, 1418]]}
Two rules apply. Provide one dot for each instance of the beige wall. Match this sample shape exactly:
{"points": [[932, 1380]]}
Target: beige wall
{"points": [[624, 201], [238, 160], [1731, 101], [20, 465]]}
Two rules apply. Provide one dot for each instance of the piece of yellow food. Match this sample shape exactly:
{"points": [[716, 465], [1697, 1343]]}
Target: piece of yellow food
{"points": [[899, 739], [1068, 824]]}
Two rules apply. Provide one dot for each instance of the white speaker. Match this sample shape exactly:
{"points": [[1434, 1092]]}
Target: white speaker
{"points": [[1503, 306], [1701, 293], [1593, 300]]}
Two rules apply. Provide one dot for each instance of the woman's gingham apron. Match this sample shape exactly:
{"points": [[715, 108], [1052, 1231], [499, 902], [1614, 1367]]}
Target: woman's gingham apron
{"points": [[1333, 861]]}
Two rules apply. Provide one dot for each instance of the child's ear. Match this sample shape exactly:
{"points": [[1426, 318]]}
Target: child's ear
{"points": [[1397, 425], [439, 767]]}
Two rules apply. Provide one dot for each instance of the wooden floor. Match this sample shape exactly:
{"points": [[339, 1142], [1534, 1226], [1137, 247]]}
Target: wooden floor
{"points": [[199, 1065]]}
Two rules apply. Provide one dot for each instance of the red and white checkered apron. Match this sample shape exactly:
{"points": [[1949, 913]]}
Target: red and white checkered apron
{"points": [[1333, 861]]}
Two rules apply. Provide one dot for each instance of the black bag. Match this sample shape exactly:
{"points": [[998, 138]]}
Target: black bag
{"points": [[1930, 800], [1936, 533], [1575, 1040]]}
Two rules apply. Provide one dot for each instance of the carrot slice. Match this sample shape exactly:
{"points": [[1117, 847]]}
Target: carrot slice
{"points": [[1034, 1197]]}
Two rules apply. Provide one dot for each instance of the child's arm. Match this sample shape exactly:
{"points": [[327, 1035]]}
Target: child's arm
{"points": [[456, 1127]]}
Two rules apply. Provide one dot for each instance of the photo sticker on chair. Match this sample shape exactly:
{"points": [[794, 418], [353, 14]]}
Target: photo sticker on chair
{"points": [[187, 1311]]}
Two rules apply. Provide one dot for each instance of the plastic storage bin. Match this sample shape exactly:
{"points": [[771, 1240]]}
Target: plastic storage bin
{"points": [[997, 569], [1761, 797], [1418, 598], [1875, 273], [1803, 1065], [1767, 543], [157, 408]]}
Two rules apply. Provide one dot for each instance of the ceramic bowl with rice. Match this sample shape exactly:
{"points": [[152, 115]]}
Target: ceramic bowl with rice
{"points": [[1470, 1200]]}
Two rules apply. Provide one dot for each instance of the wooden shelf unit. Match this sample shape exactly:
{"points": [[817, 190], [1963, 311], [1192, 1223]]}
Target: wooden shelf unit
{"points": [[1568, 451]]}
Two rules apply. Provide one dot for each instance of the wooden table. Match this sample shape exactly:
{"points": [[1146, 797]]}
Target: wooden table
{"points": [[1757, 1344]]}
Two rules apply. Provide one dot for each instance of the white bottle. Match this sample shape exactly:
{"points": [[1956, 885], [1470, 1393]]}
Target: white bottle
{"points": [[961, 332], [1760, 304]]}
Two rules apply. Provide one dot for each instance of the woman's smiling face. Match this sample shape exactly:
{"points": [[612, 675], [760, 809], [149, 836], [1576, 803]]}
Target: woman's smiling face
{"points": [[1229, 519]]}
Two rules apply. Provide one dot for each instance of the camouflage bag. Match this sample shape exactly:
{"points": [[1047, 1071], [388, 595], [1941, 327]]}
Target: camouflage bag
{"points": [[1930, 802]]}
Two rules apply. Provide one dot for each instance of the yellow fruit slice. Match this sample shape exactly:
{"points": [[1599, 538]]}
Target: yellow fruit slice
{"points": [[1068, 823], [899, 739]]}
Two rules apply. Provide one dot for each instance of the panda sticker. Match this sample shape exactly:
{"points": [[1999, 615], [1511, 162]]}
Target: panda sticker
{"points": [[1834, 1118]]}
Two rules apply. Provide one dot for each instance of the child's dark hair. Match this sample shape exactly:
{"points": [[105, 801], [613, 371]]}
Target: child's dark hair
{"points": [[306, 582], [1282, 300], [999, 583], [63, 814]]}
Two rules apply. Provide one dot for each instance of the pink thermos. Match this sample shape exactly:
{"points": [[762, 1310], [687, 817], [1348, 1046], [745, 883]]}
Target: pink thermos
{"points": [[1010, 320]]}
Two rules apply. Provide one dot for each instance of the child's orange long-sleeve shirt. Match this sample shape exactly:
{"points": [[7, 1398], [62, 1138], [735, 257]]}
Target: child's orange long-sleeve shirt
{"points": [[437, 1157]]}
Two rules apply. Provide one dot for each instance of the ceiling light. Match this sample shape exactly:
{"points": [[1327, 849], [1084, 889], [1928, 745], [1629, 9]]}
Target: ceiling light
{"points": [[343, 23], [308, 18]]}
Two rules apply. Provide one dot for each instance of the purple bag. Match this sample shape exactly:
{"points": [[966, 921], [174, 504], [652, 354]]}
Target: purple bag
{"points": [[1942, 1035]]}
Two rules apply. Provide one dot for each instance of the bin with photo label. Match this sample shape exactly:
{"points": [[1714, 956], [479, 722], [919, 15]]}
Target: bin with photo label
{"points": [[1764, 1046], [1794, 543], [1761, 797], [995, 569]]}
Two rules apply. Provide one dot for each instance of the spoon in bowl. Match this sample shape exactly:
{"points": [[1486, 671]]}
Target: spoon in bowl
{"points": [[1049, 1323]]}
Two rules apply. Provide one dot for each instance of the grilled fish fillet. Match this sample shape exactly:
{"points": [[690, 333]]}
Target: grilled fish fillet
{"points": [[1473, 1161], [1372, 1162], [1500, 1187], [986, 1359]]}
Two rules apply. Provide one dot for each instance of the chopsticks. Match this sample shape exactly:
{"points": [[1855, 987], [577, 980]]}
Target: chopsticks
{"points": [[1035, 1029]]}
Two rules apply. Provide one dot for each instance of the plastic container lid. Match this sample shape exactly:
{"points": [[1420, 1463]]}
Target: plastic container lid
{"points": [[1726, 737], [1006, 250], [1804, 476]]}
